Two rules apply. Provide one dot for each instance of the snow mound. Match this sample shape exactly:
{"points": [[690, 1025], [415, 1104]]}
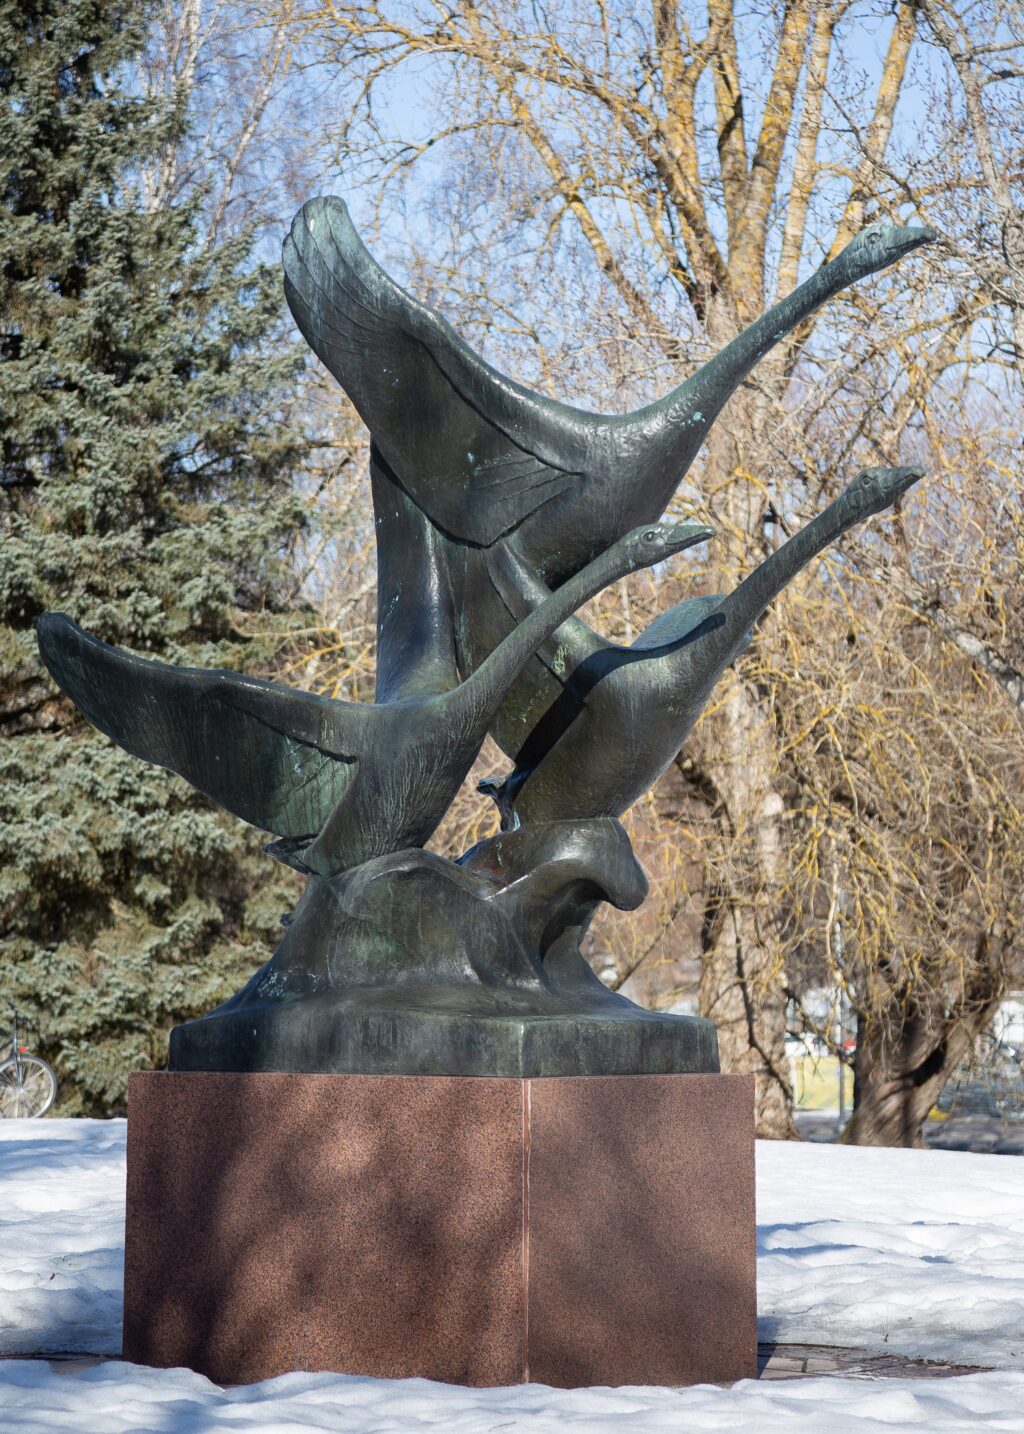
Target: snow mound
{"points": [[127, 1399], [918, 1252]]}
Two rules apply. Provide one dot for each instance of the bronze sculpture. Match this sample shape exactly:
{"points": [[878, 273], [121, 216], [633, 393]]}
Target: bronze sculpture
{"points": [[586, 696], [376, 777], [498, 513]]}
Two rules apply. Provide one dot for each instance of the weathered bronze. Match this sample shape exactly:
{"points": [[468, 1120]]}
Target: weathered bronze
{"points": [[586, 688], [498, 513], [341, 782]]}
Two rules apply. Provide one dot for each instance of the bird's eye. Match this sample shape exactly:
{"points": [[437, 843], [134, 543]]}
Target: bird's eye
{"points": [[650, 535]]}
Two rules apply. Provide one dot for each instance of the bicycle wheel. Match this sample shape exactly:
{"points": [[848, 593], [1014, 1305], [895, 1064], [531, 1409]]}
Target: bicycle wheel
{"points": [[33, 1094]]}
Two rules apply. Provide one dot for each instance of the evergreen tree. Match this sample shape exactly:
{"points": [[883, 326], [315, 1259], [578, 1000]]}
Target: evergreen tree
{"points": [[146, 464]]}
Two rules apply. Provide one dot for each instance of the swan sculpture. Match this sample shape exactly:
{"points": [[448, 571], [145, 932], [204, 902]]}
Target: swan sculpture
{"points": [[498, 512], [481, 454], [464, 458], [339, 782], [577, 761]]}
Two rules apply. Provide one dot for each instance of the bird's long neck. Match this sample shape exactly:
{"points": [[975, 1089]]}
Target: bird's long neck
{"points": [[679, 422], [487, 687], [738, 612]]}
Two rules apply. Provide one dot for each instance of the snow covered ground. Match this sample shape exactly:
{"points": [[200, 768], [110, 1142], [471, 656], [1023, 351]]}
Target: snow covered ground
{"points": [[917, 1253], [126, 1399], [61, 1236]]}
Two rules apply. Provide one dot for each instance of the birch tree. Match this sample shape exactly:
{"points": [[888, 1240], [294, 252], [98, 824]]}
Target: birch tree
{"points": [[602, 196]]}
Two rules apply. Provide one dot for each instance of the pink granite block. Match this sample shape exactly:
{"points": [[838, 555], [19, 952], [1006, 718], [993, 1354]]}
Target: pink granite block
{"points": [[363, 1223], [642, 1230], [591, 1230]]}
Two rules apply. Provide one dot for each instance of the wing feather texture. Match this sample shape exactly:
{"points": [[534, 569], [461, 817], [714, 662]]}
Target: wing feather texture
{"points": [[475, 450], [269, 754]]}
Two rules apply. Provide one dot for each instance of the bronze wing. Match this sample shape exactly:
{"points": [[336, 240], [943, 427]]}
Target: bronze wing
{"points": [[272, 755], [475, 450]]}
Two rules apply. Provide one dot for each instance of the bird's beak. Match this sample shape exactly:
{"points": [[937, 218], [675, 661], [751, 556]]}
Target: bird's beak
{"points": [[884, 244], [900, 479], [912, 236], [687, 535]]}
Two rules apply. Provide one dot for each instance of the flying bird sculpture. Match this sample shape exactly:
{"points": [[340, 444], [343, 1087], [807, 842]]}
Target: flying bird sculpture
{"points": [[498, 513], [340, 782], [574, 762], [480, 454], [464, 458]]}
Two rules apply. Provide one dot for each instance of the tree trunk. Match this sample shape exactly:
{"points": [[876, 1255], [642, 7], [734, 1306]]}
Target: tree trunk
{"points": [[899, 1075], [741, 987]]}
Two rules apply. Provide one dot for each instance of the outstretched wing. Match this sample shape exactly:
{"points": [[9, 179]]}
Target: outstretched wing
{"points": [[267, 753], [475, 450]]}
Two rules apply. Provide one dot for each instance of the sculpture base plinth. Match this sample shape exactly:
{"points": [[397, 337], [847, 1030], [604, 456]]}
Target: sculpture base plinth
{"points": [[591, 1230], [459, 1031]]}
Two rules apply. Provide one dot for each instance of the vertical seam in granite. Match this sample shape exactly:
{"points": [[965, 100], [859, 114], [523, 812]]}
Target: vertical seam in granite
{"points": [[526, 1231], [129, 1251]]}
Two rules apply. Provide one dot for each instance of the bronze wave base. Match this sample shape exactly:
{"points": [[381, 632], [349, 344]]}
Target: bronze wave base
{"points": [[446, 1032], [412, 964]]}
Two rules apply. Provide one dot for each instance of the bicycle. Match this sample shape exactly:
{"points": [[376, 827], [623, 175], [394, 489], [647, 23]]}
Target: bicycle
{"points": [[28, 1086]]}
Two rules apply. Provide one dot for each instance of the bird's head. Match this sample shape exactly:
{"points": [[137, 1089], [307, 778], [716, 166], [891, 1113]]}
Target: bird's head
{"points": [[880, 245], [874, 489], [653, 542]]}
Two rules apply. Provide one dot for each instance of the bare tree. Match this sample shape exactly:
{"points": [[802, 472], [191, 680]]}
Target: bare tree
{"points": [[252, 145], [607, 195]]}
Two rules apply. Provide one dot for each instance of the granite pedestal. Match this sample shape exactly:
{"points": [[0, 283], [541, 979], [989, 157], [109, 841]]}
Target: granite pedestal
{"points": [[571, 1231]]}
